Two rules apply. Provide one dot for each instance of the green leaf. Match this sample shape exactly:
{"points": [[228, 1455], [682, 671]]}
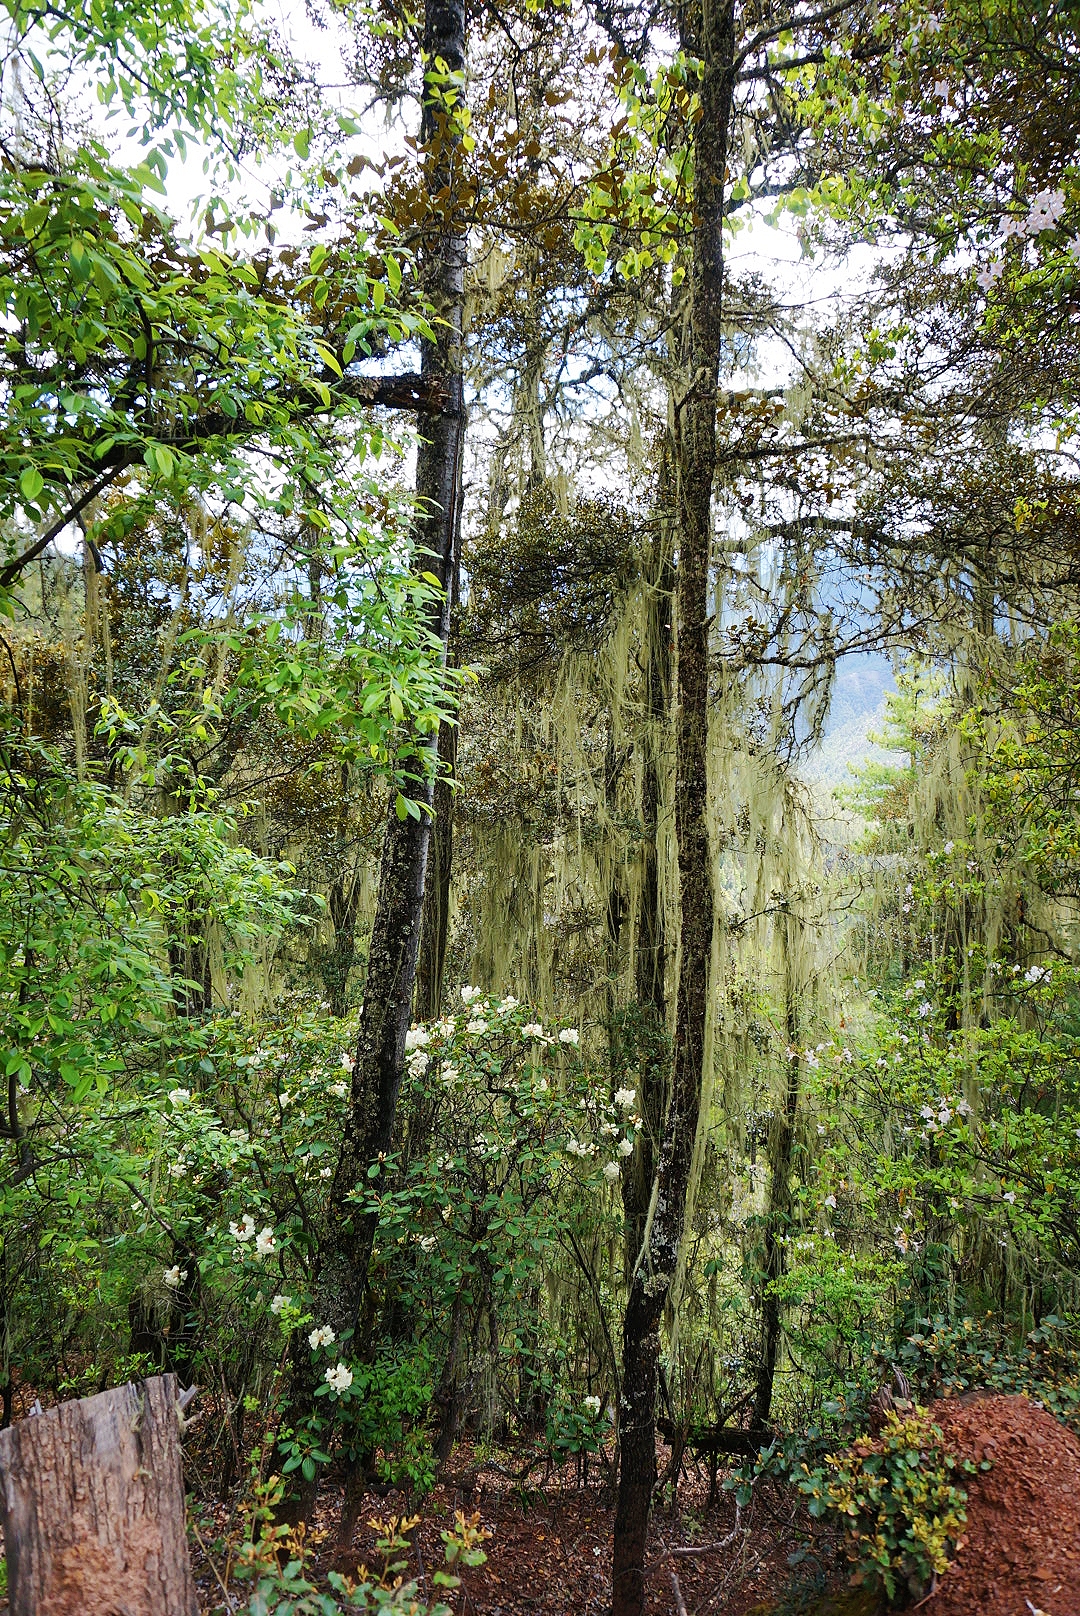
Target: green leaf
{"points": [[31, 482]]}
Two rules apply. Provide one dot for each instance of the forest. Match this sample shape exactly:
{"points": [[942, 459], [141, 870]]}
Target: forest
{"points": [[540, 795]]}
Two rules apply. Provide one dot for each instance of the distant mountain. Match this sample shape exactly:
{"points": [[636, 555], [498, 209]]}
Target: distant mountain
{"points": [[858, 709]]}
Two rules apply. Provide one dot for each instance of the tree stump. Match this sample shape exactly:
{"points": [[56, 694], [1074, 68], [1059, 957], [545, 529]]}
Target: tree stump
{"points": [[93, 1507]]}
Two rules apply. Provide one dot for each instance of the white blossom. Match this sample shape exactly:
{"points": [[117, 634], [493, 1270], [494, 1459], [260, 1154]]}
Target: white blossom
{"points": [[179, 1097], [532, 1029], [592, 1406], [280, 1303], [427, 1242], [470, 995], [174, 1276], [347, 1062], [326, 1172], [830, 1201], [178, 1169], [478, 1027], [925, 1008], [416, 1038], [322, 1337], [569, 1035], [611, 1170], [339, 1379], [1037, 973], [625, 1098], [340, 1090], [625, 1147], [506, 1005], [244, 1230], [265, 1244], [1045, 211], [1010, 1196]]}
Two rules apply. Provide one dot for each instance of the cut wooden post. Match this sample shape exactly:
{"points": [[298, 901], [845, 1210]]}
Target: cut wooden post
{"points": [[93, 1506]]}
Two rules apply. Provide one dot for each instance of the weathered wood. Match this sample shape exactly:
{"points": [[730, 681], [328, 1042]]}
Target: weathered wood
{"points": [[93, 1507]]}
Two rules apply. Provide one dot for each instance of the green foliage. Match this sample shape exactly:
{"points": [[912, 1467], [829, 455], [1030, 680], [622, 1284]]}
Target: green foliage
{"points": [[274, 1560], [895, 1499]]}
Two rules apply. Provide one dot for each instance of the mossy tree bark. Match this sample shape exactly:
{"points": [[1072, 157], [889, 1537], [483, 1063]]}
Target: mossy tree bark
{"points": [[348, 1234], [707, 31]]}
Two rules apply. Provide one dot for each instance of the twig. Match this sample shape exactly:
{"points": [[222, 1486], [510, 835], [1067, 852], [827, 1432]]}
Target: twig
{"points": [[213, 1567], [680, 1602]]}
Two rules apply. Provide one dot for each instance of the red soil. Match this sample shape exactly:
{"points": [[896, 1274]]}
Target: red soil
{"points": [[1021, 1551]]}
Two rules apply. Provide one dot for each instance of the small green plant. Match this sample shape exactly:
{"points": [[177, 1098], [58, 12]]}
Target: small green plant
{"points": [[895, 1499], [273, 1559]]}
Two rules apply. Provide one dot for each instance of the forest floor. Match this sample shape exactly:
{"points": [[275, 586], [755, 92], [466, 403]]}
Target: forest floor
{"points": [[549, 1550]]}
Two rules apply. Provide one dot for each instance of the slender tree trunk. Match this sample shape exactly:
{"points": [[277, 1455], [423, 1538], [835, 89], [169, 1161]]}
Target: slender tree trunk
{"points": [[395, 935], [707, 32], [651, 1042], [778, 1215], [434, 932], [348, 1236]]}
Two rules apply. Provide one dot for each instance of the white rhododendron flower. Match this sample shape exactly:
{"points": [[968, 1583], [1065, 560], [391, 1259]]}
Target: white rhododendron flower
{"points": [[265, 1244], [830, 1202], [174, 1275], [592, 1405], [322, 1337], [508, 1004], [1045, 211], [625, 1147], [280, 1303], [612, 1170], [244, 1230], [416, 1038], [569, 1035], [624, 1098], [179, 1096], [478, 1026], [339, 1379], [470, 995], [532, 1029], [347, 1062]]}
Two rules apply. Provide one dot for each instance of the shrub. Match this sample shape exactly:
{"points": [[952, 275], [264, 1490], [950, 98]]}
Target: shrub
{"points": [[895, 1499]]}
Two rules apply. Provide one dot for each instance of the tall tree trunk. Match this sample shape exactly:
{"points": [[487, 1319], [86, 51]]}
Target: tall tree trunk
{"points": [[348, 1235], [707, 31], [651, 1045], [778, 1214], [434, 932], [395, 933]]}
